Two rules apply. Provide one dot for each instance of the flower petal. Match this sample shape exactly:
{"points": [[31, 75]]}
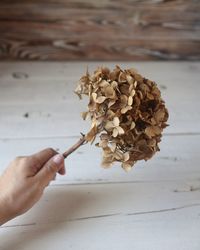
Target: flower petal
{"points": [[127, 167], [116, 121], [130, 100], [132, 125], [126, 156], [115, 132], [109, 125], [120, 130], [100, 99]]}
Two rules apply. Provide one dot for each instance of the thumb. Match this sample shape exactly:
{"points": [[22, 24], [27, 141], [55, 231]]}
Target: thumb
{"points": [[50, 168]]}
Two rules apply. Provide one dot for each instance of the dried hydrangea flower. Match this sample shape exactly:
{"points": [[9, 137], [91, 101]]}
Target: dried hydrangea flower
{"points": [[128, 113]]}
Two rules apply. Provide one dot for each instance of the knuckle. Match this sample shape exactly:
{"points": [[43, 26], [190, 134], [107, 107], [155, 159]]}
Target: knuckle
{"points": [[18, 158], [51, 151], [24, 160], [21, 159], [35, 161]]}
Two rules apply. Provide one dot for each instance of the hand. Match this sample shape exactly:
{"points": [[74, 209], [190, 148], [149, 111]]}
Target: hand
{"points": [[23, 182]]}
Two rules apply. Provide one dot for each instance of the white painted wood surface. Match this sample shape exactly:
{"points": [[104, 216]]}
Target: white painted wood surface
{"points": [[156, 206]]}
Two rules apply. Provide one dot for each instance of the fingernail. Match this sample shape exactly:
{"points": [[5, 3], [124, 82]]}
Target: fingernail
{"points": [[58, 159]]}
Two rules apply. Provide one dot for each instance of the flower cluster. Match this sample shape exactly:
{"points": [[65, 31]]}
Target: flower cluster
{"points": [[128, 113]]}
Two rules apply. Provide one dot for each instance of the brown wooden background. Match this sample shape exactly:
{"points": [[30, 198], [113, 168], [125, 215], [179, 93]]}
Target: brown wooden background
{"points": [[100, 29]]}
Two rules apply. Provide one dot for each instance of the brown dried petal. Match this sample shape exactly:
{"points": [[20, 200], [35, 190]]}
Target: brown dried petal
{"points": [[110, 92], [124, 110], [104, 136], [116, 121], [103, 143], [124, 100], [126, 156], [122, 77], [91, 134], [130, 100], [100, 99], [104, 84], [159, 115], [105, 71], [115, 132], [111, 103], [84, 115], [152, 131], [118, 155], [129, 79], [94, 96], [132, 92], [127, 167], [109, 125], [120, 130], [132, 125]]}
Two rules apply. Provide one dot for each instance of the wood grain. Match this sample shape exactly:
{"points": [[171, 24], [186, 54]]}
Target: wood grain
{"points": [[106, 30], [45, 92], [178, 160], [114, 216]]}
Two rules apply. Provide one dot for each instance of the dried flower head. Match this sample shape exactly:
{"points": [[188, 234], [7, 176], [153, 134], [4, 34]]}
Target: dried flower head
{"points": [[127, 111]]}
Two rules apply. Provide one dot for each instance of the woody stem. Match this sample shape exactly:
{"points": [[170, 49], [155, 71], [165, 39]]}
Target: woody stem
{"points": [[74, 147]]}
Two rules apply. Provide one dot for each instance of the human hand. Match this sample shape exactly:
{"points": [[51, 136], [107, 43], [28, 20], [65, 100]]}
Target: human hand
{"points": [[24, 180]]}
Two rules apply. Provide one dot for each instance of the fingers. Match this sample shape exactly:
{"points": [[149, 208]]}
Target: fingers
{"points": [[50, 168], [43, 156], [36, 161]]}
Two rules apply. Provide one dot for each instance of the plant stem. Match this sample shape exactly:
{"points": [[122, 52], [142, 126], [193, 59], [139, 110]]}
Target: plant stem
{"points": [[74, 147]]}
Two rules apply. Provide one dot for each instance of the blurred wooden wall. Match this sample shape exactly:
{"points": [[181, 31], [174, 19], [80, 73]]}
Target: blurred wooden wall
{"points": [[100, 29]]}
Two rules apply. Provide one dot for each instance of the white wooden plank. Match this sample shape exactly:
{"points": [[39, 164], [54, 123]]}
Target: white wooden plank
{"points": [[58, 79], [43, 121], [108, 199], [177, 231], [47, 95], [62, 70], [114, 216], [178, 160], [65, 120]]}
